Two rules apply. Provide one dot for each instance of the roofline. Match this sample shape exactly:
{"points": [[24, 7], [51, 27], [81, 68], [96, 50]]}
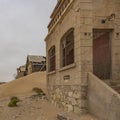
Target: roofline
{"points": [[49, 32], [56, 7], [55, 10]]}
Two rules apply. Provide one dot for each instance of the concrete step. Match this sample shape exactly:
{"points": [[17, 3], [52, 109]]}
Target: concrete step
{"points": [[115, 82], [107, 82], [116, 88], [118, 91]]}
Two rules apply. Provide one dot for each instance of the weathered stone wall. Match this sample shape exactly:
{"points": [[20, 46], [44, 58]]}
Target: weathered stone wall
{"points": [[70, 98], [103, 101], [116, 43], [29, 69], [86, 39], [101, 10], [55, 79], [83, 16], [67, 21], [20, 74]]}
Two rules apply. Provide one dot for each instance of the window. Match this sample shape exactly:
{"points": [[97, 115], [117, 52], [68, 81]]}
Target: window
{"points": [[67, 48], [51, 59]]}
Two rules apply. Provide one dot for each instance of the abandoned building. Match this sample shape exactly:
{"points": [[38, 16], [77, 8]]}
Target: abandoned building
{"points": [[20, 71], [83, 57], [1, 83], [35, 63]]}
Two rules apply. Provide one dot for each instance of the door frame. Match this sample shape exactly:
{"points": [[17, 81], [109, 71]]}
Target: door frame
{"points": [[110, 44]]}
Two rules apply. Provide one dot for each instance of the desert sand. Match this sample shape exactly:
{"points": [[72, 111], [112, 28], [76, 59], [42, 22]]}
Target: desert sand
{"points": [[24, 85], [31, 108]]}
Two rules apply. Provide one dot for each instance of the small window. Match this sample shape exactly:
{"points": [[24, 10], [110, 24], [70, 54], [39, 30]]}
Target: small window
{"points": [[51, 59], [67, 49]]}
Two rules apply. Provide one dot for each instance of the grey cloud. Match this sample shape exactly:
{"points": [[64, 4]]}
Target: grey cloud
{"points": [[23, 27]]}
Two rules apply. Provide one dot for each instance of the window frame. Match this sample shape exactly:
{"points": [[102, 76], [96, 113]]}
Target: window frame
{"points": [[67, 48], [52, 59]]}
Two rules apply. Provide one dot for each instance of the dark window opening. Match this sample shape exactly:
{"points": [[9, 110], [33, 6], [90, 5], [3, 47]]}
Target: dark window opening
{"points": [[67, 46], [51, 59]]}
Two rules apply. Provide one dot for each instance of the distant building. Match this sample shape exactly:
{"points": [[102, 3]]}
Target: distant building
{"points": [[35, 64], [21, 71], [2, 83]]}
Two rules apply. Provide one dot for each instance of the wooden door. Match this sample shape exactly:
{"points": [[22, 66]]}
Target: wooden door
{"points": [[102, 56]]}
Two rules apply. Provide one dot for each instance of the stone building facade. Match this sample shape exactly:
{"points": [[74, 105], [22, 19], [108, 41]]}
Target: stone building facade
{"points": [[83, 36]]}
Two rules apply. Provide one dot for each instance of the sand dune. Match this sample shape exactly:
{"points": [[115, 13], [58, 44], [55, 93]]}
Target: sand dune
{"points": [[30, 109], [24, 85]]}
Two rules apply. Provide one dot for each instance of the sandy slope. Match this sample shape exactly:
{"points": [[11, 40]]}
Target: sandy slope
{"points": [[34, 109], [30, 109], [24, 85]]}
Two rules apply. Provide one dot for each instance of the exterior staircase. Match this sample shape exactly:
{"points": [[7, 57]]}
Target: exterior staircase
{"points": [[103, 98], [114, 84]]}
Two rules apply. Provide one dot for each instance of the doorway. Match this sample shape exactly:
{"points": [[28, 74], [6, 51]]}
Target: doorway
{"points": [[102, 53]]}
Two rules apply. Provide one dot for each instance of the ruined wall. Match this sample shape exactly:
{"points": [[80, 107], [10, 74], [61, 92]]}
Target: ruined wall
{"points": [[20, 74], [29, 68]]}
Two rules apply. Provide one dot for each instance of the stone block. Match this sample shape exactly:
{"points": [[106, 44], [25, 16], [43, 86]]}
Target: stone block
{"points": [[70, 94], [84, 104], [86, 51], [53, 97], [70, 108], [86, 43], [77, 109], [76, 95], [86, 36], [86, 14], [86, 28], [63, 104], [73, 101], [86, 21], [61, 117], [86, 6]]}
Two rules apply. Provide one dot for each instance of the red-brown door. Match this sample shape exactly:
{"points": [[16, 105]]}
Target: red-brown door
{"points": [[102, 56]]}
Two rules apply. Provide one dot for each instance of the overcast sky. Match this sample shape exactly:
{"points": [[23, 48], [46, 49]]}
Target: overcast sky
{"points": [[23, 27]]}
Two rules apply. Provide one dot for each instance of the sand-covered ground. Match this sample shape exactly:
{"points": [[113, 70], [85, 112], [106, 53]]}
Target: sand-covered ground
{"points": [[30, 108], [24, 85], [27, 109]]}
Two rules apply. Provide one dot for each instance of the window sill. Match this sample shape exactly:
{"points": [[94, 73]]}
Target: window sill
{"points": [[67, 67], [52, 72]]}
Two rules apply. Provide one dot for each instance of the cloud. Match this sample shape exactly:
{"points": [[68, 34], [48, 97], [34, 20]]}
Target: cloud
{"points": [[23, 27]]}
